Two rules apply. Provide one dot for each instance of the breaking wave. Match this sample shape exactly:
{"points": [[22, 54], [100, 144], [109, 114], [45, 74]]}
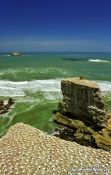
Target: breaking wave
{"points": [[9, 88], [105, 86], [98, 61]]}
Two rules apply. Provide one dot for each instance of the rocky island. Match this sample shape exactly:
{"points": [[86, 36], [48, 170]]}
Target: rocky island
{"points": [[16, 53], [82, 112]]}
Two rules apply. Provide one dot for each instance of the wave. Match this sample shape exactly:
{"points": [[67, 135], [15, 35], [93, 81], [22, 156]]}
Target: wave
{"points": [[105, 86], [8, 55], [29, 73], [40, 89], [98, 60], [9, 88]]}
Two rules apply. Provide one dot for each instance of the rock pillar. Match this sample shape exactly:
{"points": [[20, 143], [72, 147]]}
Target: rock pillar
{"points": [[82, 101]]}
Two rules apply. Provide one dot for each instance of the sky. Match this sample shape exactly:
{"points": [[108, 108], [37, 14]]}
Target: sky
{"points": [[55, 25]]}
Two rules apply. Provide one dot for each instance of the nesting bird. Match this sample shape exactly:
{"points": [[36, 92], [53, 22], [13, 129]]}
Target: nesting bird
{"points": [[25, 150]]}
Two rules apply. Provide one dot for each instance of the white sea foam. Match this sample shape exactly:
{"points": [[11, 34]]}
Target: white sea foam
{"points": [[9, 88], [51, 89], [98, 60], [105, 86]]}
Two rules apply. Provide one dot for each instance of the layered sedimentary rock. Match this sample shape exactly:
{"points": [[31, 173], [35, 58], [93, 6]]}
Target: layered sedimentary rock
{"points": [[82, 100], [82, 110], [78, 131], [103, 138], [28, 151]]}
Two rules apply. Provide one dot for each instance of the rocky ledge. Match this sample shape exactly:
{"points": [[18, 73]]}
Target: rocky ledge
{"points": [[26, 150], [82, 111]]}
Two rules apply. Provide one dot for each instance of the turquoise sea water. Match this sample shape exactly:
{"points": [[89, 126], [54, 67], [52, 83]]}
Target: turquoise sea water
{"points": [[34, 80]]}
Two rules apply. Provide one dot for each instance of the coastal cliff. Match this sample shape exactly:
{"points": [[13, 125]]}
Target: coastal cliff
{"points": [[82, 110]]}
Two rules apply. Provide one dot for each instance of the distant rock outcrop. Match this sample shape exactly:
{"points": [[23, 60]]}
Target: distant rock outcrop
{"points": [[83, 110], [16, 53]]}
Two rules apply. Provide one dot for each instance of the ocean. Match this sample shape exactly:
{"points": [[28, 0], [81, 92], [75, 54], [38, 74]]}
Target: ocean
{"points": [[34, 82]]}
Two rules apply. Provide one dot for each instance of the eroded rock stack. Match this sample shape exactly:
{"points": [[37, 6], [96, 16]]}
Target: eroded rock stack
{"points": [[83, 110], [82, 100]]}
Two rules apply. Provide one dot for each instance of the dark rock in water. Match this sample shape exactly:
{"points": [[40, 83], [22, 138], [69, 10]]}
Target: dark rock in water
{"points": [[82, 111], [16, 53], [10, 101], [4, 108], [1, 104]]}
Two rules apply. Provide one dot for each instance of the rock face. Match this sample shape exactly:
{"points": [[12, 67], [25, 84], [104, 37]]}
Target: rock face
{"points": [[82, 100], [28, 151], [103, 139], [78, 131], [82, 111]]}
